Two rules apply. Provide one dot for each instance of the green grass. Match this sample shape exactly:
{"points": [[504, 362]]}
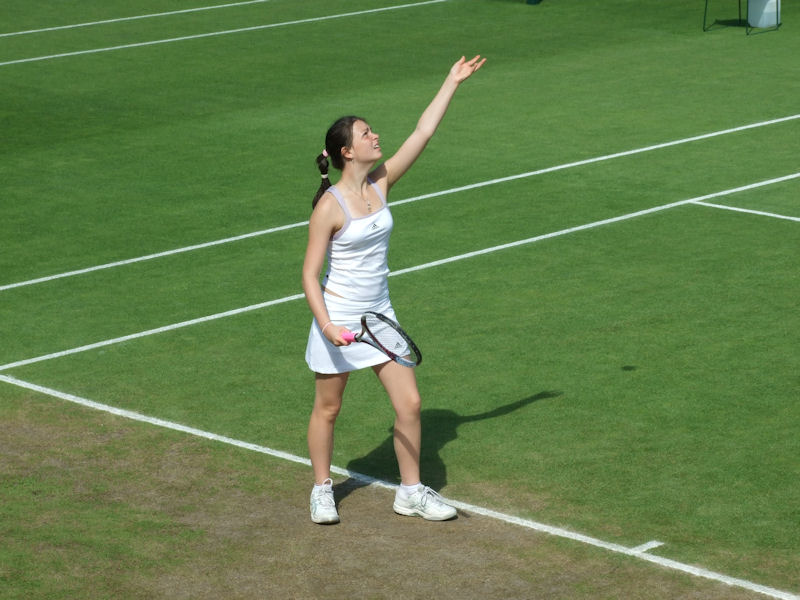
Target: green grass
{"points": [[635, 381]]}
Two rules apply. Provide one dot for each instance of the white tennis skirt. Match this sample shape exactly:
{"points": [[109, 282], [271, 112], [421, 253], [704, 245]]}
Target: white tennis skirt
{"points": [[323, 357]]}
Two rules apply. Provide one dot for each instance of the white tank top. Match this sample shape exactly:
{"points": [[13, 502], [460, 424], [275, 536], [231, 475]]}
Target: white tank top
{"points": [[357, 254]]}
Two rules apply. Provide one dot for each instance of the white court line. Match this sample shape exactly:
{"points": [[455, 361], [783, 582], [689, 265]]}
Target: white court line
{"points": [[625, 217], [749, 211], [640, 552], [588, 161], [130, 261], [149, 332], [646, 547], [217, 33], [406, 201], [122, 19], [421, 267]]}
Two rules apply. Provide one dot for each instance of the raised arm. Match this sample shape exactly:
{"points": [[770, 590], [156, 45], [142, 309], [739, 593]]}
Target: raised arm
{"points": [[394, 168]]}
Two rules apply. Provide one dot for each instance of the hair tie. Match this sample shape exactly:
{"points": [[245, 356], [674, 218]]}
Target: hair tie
{"points": [[325, 153], [324, 175]]}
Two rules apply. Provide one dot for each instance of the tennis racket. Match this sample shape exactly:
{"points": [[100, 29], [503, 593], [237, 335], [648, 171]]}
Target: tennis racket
{"points": [[383, 333]]}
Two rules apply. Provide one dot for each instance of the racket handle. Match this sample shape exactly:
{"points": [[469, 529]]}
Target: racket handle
{"points": [[349, 336]]}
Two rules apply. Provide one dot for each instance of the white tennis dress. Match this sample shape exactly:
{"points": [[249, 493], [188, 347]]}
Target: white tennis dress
{"points": [[357, 277]]}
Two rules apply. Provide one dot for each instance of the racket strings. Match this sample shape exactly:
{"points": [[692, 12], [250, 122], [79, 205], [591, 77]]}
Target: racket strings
{"points": [[391, 339]]}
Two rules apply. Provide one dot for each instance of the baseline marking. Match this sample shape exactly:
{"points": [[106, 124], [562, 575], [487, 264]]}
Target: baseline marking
{"points": [[399, 202], [217, 33], [640, 552], [122, 19], [421, 267]]}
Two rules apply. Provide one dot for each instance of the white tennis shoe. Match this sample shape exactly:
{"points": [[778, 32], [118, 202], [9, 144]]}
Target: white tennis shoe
{"points": [[423, 503], [323, 506]]}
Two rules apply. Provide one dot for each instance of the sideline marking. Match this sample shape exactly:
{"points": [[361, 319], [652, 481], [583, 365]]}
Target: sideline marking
{"points": [[588, 161], [149, 332], [399, 202], [421, 267], [121, 19], [639, 552], [130, 261], [626, 217], [217, 33]]}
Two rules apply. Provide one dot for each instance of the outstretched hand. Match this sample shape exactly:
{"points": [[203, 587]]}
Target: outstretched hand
{"points": [[464, 68]]}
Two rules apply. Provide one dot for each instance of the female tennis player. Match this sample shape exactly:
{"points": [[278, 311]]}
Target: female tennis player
{"points": [[350, 226]]}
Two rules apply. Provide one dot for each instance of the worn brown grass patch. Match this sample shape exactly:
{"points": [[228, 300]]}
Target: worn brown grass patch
{"points": [[96, 506]]}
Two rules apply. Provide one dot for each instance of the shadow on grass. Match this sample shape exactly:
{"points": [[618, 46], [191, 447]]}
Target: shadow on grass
{"points": [[439, 426], [725, 23]]}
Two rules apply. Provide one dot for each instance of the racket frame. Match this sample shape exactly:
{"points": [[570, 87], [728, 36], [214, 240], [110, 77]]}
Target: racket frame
{"points": [[368, 337]]}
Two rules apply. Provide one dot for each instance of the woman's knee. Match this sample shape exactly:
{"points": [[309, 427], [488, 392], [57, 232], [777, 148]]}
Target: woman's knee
{"points": [[328, 396], [408, 406], [327, 407]]}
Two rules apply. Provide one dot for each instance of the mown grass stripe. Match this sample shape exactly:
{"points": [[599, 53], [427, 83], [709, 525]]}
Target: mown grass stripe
{"points": [[429, 265], [134, 18], [473, 186], [215, 33]]}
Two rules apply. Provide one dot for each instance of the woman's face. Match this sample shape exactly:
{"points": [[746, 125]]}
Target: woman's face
{"points": [[365, 145]]}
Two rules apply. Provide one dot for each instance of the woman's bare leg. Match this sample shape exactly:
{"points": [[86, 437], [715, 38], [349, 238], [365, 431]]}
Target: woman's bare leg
{"points": [[327, 404], [401, 385]]}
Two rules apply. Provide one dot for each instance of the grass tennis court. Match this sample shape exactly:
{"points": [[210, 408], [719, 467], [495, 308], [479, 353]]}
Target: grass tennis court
{"points": [[597, 255]]}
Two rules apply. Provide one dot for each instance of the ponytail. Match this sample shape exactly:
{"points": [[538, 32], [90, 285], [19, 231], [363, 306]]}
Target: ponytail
{"points": [[340, 135], [322, 165]]}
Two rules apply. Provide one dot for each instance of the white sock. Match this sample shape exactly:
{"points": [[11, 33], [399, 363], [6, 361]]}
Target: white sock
{"points": [[404, 491], [319, 486]]}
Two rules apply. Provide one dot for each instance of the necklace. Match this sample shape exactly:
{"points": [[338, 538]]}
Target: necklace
{"points": [[363, 199]]}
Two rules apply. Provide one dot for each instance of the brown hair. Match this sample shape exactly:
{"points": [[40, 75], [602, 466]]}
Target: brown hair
{"points": [[340, 135]]}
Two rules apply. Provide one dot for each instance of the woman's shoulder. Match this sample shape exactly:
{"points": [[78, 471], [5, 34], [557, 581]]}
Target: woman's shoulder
{"points": [[329, 208]]}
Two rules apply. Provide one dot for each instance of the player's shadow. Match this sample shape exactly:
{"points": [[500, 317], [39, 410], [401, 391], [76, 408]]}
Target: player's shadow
{"points": [[439, 426]]}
